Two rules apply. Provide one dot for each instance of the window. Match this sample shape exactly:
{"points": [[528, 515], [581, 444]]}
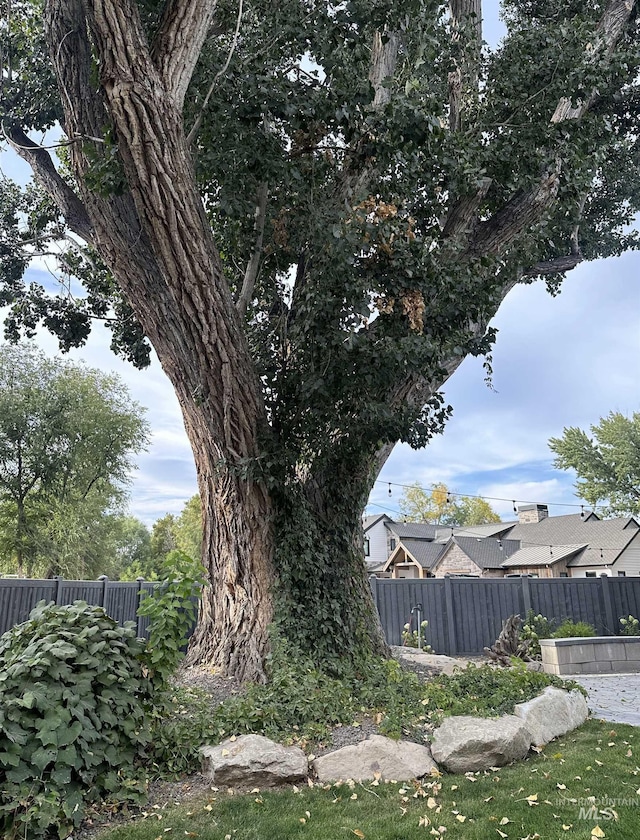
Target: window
{"points": [[367, 547], [590, 574], [622, 574], [564, 574], [392, 544]]}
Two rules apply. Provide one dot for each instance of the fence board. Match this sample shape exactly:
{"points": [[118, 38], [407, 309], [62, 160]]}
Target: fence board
{"points": [[480, 605]]}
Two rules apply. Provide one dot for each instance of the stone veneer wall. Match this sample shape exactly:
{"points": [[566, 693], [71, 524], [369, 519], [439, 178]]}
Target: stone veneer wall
{"points": [[456, 562], [591, 655]]}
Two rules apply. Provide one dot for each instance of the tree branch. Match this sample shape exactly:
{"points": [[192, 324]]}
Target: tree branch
{"points": [[466, 20], [464, 211], [384, 57], [253, 265], [522, 211], [178, 42], [610, 29], [556, 266], [48, 177], [196, 126]]}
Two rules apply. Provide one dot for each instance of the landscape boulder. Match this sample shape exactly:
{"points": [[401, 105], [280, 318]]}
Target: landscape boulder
{"points": [[465, 743], [552, 713], [377, 757], [253, 761]]}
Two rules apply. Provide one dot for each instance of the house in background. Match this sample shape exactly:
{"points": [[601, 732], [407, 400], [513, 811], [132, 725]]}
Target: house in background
{"points": [[539, 545]]}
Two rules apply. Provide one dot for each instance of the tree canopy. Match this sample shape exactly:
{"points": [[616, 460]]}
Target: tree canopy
{"points": [[67, 437], [311, 211], [440, 506], [606, 462]]}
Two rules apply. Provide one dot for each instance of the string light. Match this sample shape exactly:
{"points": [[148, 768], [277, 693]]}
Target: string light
{"points": [[451, 495]]}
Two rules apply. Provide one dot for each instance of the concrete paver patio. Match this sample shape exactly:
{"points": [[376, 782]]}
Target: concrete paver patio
{"points": [[613, 697]]}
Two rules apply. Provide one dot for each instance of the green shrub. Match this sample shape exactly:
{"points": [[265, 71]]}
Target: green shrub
{"points": [[630, 626], [571, 629], [182, 721], [485, 691], [73, 723], [172, 609]]}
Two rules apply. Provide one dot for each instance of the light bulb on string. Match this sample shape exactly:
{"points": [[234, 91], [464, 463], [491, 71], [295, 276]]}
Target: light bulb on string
{"points": [[515, 509], [390, 488]]}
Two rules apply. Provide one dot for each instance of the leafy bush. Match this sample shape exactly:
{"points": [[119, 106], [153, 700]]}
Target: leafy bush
{"points": [[630, 626], [182, 721], [572, 629], [485, 691], [73, 723], [172, 608], [410, 637]]}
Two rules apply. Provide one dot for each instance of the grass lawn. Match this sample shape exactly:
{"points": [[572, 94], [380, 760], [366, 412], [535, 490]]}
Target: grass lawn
{"points": [[546, 797]]}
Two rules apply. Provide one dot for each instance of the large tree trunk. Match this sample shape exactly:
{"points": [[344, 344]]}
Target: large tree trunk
{"points": [[236, 609]]}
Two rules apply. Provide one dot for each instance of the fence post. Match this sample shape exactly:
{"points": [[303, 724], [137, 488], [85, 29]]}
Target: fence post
{"points": [[57, 595], [451, 623], [526, 595], [139, 581], [608, 605], [105, 584]]}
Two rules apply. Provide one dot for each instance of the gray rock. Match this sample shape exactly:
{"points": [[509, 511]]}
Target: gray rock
{"points": [[388, 759], [534, 665], [253, 761], [464, 743], [554, 712]]}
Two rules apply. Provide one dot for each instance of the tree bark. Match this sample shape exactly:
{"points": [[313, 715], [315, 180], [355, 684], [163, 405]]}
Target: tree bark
{"points": [[156, 240]]}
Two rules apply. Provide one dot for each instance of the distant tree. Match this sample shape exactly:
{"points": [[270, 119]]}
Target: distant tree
{"points": [[188, 528], [67, 436], [133, 549], [170, 533], [440, 506], [607, 463]]}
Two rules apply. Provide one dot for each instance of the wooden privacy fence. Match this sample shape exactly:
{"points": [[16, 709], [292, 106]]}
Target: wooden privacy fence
{"points": [[465, 615], [120, 599]]}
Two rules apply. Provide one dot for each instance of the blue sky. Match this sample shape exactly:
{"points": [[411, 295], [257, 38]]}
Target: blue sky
{"points": [[564, 361]]}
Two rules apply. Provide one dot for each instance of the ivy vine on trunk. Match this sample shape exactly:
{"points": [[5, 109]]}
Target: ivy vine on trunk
{"points": [[311, 211]]}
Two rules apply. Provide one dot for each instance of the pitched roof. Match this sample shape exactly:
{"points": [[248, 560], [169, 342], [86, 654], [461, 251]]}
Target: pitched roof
{"points": [[491, 529], [541, 555], [487, 553], [370, 521], [424, 552], [414, 530], [602, 539]]}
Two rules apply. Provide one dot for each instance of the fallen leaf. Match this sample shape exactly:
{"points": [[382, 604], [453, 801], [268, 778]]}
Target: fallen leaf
{"points": [[504, 821], [567, 827], [561, 787], [460, 818], [353, 796], [501, 833], [431, 802], [224, 753], [454, 787], [358, 833], [597, 831]]}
